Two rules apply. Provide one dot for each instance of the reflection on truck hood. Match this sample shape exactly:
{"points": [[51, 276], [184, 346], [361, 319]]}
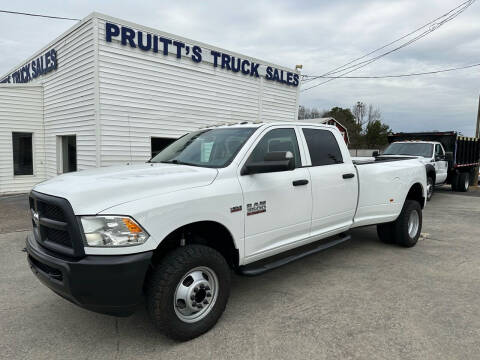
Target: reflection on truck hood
{"points": [[92, 191], [421, 158]]}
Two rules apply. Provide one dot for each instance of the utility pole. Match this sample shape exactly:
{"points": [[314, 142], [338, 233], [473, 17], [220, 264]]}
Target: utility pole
{"points": [[477, 135]]}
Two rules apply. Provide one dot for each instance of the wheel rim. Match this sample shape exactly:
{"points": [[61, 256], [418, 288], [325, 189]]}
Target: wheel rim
{"points": [[413, 224], [467, 182], [196, 294], [429, 187]]}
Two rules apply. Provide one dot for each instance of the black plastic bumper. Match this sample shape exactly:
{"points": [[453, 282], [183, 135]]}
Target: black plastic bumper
{"points": [[110, 285]]}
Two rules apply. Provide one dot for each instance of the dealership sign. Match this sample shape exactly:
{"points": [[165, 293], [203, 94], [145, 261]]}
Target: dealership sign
{"points": [[37, 67], [156, 43]]}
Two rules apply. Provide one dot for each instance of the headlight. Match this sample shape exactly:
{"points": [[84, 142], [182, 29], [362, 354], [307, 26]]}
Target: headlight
{"points": [[112, 231]]}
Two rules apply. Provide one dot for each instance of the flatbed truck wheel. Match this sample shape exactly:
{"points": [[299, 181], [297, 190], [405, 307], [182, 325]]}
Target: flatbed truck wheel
{"points": [[430, 187], [188, 291], [454, 182], [463, 182]]}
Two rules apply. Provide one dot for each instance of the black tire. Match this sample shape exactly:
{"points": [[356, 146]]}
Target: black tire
{"points": [[455, 182], [163, 284], [463, 182], [401, 225], [386, 233], [431, 186]]}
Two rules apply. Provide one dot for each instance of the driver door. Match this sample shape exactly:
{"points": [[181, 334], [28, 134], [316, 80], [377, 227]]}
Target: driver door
{"points": [[441, 165], [277, 205]]}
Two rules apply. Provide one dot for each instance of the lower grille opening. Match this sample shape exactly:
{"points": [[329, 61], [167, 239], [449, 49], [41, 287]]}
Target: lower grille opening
{"points": [[48, 270]]}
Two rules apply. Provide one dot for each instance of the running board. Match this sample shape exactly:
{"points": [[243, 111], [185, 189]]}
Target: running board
{"points": [[257, 269]]}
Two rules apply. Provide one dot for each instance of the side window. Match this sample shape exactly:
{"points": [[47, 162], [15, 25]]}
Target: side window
{"points": [[323, 147], [277, 140], [438, 150]]}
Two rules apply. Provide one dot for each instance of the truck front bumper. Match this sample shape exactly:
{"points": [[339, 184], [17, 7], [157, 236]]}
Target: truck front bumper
{"points": [[110, 285]]}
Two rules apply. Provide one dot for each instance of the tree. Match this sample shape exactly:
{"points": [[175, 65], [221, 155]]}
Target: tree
{"points": [[308, 113], [359, 110], [347, 119], [376, 134], [373, 114]]}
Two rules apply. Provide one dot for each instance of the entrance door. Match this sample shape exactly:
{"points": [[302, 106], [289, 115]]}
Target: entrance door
{"points": [[277, 204], [68, 153]]}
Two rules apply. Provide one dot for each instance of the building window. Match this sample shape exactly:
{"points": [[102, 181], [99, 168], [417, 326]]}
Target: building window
{"points": [[22, 153], [69, 153], [158, 144]]}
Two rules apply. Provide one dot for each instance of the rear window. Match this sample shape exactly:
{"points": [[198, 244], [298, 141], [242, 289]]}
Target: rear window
{"points": [[323, 147]]}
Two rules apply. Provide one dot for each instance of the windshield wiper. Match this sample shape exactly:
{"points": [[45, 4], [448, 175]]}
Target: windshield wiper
{"points": [[178, 162], [174, 161]]}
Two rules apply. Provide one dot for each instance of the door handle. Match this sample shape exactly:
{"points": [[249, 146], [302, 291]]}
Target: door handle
{"points": [[348, 176], [300, 182]]}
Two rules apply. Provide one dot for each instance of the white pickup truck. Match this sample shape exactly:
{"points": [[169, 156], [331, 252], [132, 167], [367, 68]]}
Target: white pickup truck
{"points": [[431, 153], [247, 197]]}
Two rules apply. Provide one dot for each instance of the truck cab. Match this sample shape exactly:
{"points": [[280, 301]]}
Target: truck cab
{"points": [[431, 153]]}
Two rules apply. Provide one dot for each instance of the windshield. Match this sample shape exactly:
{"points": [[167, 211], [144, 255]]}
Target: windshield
{"points": [[414, 149], [207, 148]]}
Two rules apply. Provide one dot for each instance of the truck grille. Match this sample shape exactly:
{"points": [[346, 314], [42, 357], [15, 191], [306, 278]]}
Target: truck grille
{"points": [[55, 226], [50, 211]]}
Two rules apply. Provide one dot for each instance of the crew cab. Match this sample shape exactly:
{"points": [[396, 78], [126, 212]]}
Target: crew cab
{"points": [[248, 197], [431, 153]]}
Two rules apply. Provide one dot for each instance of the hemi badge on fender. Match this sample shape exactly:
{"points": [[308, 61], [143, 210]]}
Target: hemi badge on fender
{"points": [[236, 208]]}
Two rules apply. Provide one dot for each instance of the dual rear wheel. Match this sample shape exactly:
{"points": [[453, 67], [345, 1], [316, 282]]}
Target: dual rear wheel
{"points": [[404, 231]]}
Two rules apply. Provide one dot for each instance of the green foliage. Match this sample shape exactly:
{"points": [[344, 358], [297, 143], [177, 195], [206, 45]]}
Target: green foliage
{"points": [[346, 118], [372, 135], [376, 134]]}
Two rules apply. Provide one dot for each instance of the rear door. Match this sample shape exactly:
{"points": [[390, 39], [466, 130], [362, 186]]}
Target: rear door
{"points": [[277, 205], [334, 181], [441, 165]]}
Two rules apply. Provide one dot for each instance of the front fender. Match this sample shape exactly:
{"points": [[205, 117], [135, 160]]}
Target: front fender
{"points": [[163, 214]]}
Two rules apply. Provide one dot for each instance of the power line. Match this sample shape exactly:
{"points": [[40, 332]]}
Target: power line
{"points": [[396, 76], [38, 15], [340, 68], [432, 26]]}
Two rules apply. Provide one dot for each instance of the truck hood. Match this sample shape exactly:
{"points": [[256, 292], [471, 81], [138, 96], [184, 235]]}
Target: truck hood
{"points": [[92, 191]]}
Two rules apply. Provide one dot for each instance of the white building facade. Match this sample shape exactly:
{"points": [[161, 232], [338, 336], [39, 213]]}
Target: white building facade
{"points": [[108, 91]]}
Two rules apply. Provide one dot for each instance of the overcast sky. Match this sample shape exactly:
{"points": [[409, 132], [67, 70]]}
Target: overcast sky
{"points": [[318, 34]]}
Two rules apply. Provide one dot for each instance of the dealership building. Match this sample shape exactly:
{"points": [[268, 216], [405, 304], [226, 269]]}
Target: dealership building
{"points": [[111, 92]]}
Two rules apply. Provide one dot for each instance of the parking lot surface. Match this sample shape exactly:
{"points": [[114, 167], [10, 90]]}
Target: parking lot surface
{"points": [[361, 300]]}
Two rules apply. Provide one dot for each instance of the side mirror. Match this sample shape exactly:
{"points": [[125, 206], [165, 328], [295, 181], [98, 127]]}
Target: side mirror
{"points": [[439, 158], [375, 153], [272, 162]]}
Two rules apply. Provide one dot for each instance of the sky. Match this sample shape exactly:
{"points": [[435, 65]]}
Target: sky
{"points": [[320, 35]]}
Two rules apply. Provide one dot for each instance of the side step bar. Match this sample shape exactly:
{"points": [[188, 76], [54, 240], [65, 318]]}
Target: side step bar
{"points": [[257, 269]]}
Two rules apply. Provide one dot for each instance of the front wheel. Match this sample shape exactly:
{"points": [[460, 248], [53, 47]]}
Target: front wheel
{"points": [[408, 225], [188, 291], [430, 186]]}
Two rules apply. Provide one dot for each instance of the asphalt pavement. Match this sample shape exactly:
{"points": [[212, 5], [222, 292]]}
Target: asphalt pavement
{"points": [[360, 300]]}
